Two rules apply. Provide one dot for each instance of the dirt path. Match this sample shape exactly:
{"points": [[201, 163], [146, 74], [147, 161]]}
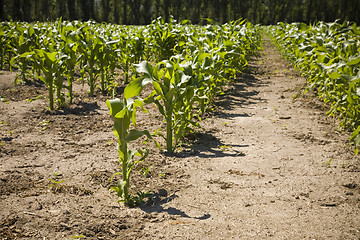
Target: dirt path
{"points": [[267, 165], [261, 170]]}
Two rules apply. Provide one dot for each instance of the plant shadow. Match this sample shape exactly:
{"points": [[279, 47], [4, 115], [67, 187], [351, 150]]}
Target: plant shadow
{"points": [[206, 145], [240, 93], [82, 108], [159, 198]]}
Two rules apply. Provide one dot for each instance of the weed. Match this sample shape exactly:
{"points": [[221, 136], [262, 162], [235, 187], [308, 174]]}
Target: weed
{"points": [[2, 123], [44, 124], [109, 143], [77, 236], [162, 174], [225, 147], [145, 171], [56, 182], [328, 163], [3, 100], [34, 98]]}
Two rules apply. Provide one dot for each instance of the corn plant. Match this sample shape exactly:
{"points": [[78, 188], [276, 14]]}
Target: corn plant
{"points": [[107, 60], [7, 31], [328, 55], [193, 62], [164, 38], [123, 113], [24, 40], [50, 69], [172, 95], [89, 45], [69, 48]]}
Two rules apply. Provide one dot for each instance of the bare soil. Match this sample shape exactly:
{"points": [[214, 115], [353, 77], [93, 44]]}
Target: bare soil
{"points": [[267, 164]]}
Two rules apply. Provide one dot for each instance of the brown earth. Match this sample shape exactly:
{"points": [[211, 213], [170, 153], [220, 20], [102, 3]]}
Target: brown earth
{"points": [[267, 164]]}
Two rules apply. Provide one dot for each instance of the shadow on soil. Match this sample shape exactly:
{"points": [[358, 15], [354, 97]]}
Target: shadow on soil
{"points": [[240, 93], [206, 145], [160, 198], [83, 108]]}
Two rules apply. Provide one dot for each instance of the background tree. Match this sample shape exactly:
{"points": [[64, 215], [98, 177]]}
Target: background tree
{"points": [[71, 10], [143, 11]]}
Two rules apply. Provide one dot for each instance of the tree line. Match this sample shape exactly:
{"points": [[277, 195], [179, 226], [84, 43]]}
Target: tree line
{"points": [[142, 12]]}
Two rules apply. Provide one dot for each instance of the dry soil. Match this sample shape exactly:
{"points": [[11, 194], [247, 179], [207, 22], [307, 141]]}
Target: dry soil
{"points": [[267, 164]]}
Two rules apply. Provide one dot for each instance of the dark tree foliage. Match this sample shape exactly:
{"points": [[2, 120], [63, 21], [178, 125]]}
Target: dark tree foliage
{"points": [[85, 9], [71, 10], [143, 11]]}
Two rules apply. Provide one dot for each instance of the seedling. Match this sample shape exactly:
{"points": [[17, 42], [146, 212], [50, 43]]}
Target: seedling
{"points": [[3, 100], [44, 124], [77, 236], [2, 123], [145, 171], [34, 98], [173, 94], [225, 147], [328, 163], [108, 143], [162, 174], [56, 182]]}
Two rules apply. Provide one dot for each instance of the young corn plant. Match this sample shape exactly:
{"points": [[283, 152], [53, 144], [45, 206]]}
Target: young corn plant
{"points": [[51, 65], [123, 113], [25, 40], [107, 63], [89, 47], [173, 93], [71, 60]]}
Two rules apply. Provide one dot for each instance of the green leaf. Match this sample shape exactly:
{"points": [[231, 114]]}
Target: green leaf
{"points": [[115, 106], [135, 134], [122, 113], [355, 136], [183, 22], [144, 67], [354, 61], [51, 56], [157, 88], [118, 173], [26, 55], [135, 87], [335, 75]]}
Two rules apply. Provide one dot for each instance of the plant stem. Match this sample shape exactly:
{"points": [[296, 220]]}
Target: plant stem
{"points": [[125, 170], [91, 82], [126, 72], [169, 135], [102, 82], [70, 81], [51, 92], [123, 155]]}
